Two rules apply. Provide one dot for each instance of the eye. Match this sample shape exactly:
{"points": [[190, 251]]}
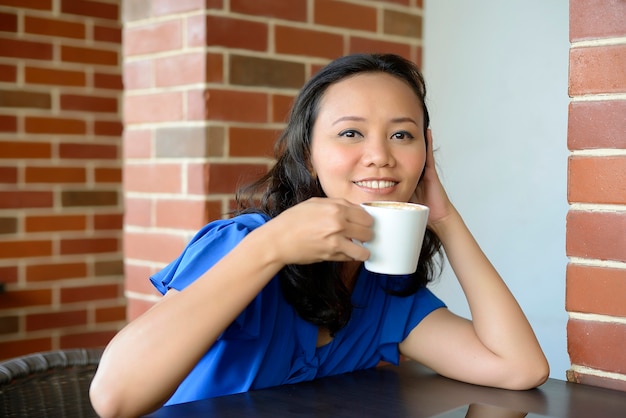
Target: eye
{"points": [[402, 136], [350, 133]]}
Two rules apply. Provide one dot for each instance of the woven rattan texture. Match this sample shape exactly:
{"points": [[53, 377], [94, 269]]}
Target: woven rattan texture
{"points": [[50, 384]]}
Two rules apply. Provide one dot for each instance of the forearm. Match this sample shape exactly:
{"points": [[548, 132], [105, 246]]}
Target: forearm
{"points": [[497, 319], [146, 361]]}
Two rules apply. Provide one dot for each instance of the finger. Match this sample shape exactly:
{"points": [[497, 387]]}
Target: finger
{"points": [[430, 155], [355, 251]]}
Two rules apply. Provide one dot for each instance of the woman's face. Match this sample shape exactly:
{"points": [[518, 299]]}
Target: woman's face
{"points": [[368, 140]]}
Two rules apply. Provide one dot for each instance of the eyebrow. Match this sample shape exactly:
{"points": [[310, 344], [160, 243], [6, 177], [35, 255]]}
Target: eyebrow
{"points": [[360, 119]]}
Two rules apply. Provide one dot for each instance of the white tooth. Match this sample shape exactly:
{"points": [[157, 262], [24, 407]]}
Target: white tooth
{"points": [[375, 184]]}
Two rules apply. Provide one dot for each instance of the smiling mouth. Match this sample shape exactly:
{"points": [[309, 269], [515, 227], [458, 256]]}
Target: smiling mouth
{"points": [[376, 184]]}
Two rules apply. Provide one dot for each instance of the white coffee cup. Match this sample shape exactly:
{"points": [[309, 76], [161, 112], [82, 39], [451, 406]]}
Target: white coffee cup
{"points": [[399, 229]]}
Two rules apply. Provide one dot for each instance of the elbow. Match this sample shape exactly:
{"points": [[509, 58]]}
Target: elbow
{"points": [[529, 375], [104, 400]]}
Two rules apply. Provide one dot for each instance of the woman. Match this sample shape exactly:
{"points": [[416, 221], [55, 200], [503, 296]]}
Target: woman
{"points": [[278, 294]]}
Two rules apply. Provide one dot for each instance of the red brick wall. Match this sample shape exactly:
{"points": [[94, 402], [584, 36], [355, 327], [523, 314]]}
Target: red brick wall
{"points": [[596, 222], [60, 174], [208, 86]]}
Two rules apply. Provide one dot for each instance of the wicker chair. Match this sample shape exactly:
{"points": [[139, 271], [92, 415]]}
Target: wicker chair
{"points": [[48, 384]]}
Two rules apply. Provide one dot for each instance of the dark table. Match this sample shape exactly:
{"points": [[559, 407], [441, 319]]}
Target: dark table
{"points": [[409, 390]]}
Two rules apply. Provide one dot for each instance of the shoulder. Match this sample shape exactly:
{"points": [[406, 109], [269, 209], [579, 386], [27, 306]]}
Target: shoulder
{"points": [[206, 248]]}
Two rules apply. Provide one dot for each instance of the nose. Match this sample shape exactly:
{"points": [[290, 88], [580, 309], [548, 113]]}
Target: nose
{"points": [[377, 152]]}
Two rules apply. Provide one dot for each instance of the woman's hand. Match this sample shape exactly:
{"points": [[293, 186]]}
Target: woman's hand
{"points": [[430, 191], [320, 229]]}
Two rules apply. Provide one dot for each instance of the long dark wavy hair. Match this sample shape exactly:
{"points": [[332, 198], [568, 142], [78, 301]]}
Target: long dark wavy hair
{"points": [[316, 290]]}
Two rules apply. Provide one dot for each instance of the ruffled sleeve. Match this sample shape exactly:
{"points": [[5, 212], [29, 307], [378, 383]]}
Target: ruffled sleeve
{"points": [[404, 314], [206, 248]]}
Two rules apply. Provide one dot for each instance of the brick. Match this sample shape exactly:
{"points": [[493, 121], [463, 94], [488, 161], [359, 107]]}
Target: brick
{"points": [[91, 9], [23, 199], [137, 279], [180, 214], [196, 31], [90, 293], [94, 339], [136, 307], [87, 198], [88, 103], [8, 73], [25, 150], [236, 33], [596, 124], [89, 55], [360, 44], [36, 75], [14, 48], [109, 221], [50, 223], [596, 290], [28, 4], [107, 34], [345, 15], [257, 71], [111, 314], [108, 175], [231, 105], [180, 69], [8, 226], [214, 65], [108, 81], [598, 345], [108, 128], [590, 19], [167, 7], [55, 174], [8, 22], [153, 246], [138, 74], [594, 70], [153, 37], [281, 106], [150, 108], [295, 10], [597, 180], [402, 24], [8, 123], [51, 125], [138, 211], [228, 177], [8, 175], [90, 245], [54, 27], [25, 99], [188, 142], [55, 271], [8, 274], [52, 320], [109, 268], [137, 143], [597, 381], [9, 324], [88, 151], [25, 298], [307, 42], [250, 142], [155, 178], [11, 349], [596, 235]]}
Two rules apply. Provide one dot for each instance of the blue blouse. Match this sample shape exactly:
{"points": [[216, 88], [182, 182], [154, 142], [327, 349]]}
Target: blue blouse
{"points": [[269, 344]]}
